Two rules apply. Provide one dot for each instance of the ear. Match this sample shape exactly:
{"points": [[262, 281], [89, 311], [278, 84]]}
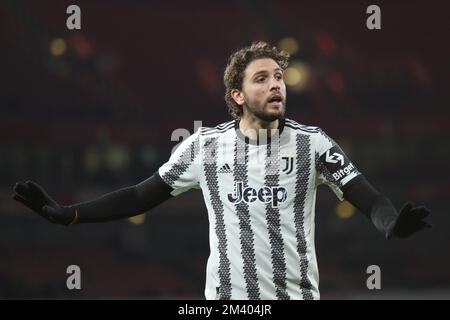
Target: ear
{"points": [[237, 96]]}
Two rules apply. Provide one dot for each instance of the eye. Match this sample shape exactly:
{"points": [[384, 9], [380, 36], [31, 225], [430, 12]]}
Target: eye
{"points": [[278, 76], [260, 79]]}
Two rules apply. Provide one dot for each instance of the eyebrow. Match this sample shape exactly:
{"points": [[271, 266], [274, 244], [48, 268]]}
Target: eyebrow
{"points": [[265, 71]]}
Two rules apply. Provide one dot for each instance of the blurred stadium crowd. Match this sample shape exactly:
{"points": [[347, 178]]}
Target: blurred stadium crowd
{"points": [[86, 112]]}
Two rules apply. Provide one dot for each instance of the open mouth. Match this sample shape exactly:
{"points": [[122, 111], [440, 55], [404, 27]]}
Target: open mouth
{"points": [[275, 100]]}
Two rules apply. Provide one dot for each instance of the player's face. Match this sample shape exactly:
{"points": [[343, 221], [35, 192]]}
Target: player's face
{"points": [[264, 90]]}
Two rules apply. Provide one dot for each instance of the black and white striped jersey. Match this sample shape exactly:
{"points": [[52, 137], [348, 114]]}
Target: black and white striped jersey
{"points": [[260, 197]]}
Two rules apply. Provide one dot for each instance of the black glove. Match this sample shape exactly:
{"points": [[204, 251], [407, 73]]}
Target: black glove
{"points": [[408, 222], [34, 197]]}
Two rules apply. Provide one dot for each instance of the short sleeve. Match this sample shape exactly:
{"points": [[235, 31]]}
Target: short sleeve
{"points": [[181, 171], [333, 166]]}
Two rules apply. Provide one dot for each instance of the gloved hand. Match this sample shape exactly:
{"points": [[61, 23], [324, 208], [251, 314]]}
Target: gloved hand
{"points": [[33, 196], [408, 222]]}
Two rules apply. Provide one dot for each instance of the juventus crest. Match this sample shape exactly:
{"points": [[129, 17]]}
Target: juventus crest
{"points": [[288, 164]]}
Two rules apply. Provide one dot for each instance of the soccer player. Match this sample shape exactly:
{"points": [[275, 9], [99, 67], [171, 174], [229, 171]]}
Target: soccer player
{"points": [[258, 174]]}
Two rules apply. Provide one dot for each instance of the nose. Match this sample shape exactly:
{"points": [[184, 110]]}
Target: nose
{"points": [[275, 85]]}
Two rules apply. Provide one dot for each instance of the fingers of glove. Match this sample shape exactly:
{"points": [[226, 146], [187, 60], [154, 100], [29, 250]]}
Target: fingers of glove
{"points": [[34, 187], [420, 213], [412, 228], [406, 208], [426, 225], [23, 201], [404, 230], [422, 226], [22, 189], [39, 192]]}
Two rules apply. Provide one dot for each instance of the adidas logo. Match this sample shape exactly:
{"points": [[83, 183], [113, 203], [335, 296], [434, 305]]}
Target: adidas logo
{"points": [[225, 169]]}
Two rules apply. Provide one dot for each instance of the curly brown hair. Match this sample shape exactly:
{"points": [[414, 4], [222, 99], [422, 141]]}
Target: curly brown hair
{"points": [[238, 62]]}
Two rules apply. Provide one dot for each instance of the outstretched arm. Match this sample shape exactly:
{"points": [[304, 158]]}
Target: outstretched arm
{"points": [[118, 204], [380, 210]]}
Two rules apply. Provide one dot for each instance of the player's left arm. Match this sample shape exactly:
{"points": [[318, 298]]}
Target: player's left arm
{"points": [[380, 210], [336, 170]]}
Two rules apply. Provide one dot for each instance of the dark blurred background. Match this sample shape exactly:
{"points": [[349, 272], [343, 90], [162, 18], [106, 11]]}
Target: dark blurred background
{"points": [[87, 112]]}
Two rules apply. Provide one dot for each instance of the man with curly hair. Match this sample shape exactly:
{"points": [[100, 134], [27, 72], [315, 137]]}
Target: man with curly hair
{"points": [[258, 174]]}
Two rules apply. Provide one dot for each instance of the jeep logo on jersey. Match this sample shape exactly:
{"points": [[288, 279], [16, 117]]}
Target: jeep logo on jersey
{"points": [[275, 195]]}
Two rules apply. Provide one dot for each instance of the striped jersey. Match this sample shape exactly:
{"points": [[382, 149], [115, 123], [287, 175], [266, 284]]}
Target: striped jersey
{"points": [[260, 195]]}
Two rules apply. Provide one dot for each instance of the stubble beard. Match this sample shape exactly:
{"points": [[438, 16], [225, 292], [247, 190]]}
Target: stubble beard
{"points": [[262, 114]]}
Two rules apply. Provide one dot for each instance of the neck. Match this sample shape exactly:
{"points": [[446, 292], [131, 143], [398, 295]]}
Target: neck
{"points": [[250, 126]]}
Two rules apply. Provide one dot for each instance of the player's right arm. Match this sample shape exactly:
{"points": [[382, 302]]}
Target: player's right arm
{"points": [[177, 175], [122, 203]]}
